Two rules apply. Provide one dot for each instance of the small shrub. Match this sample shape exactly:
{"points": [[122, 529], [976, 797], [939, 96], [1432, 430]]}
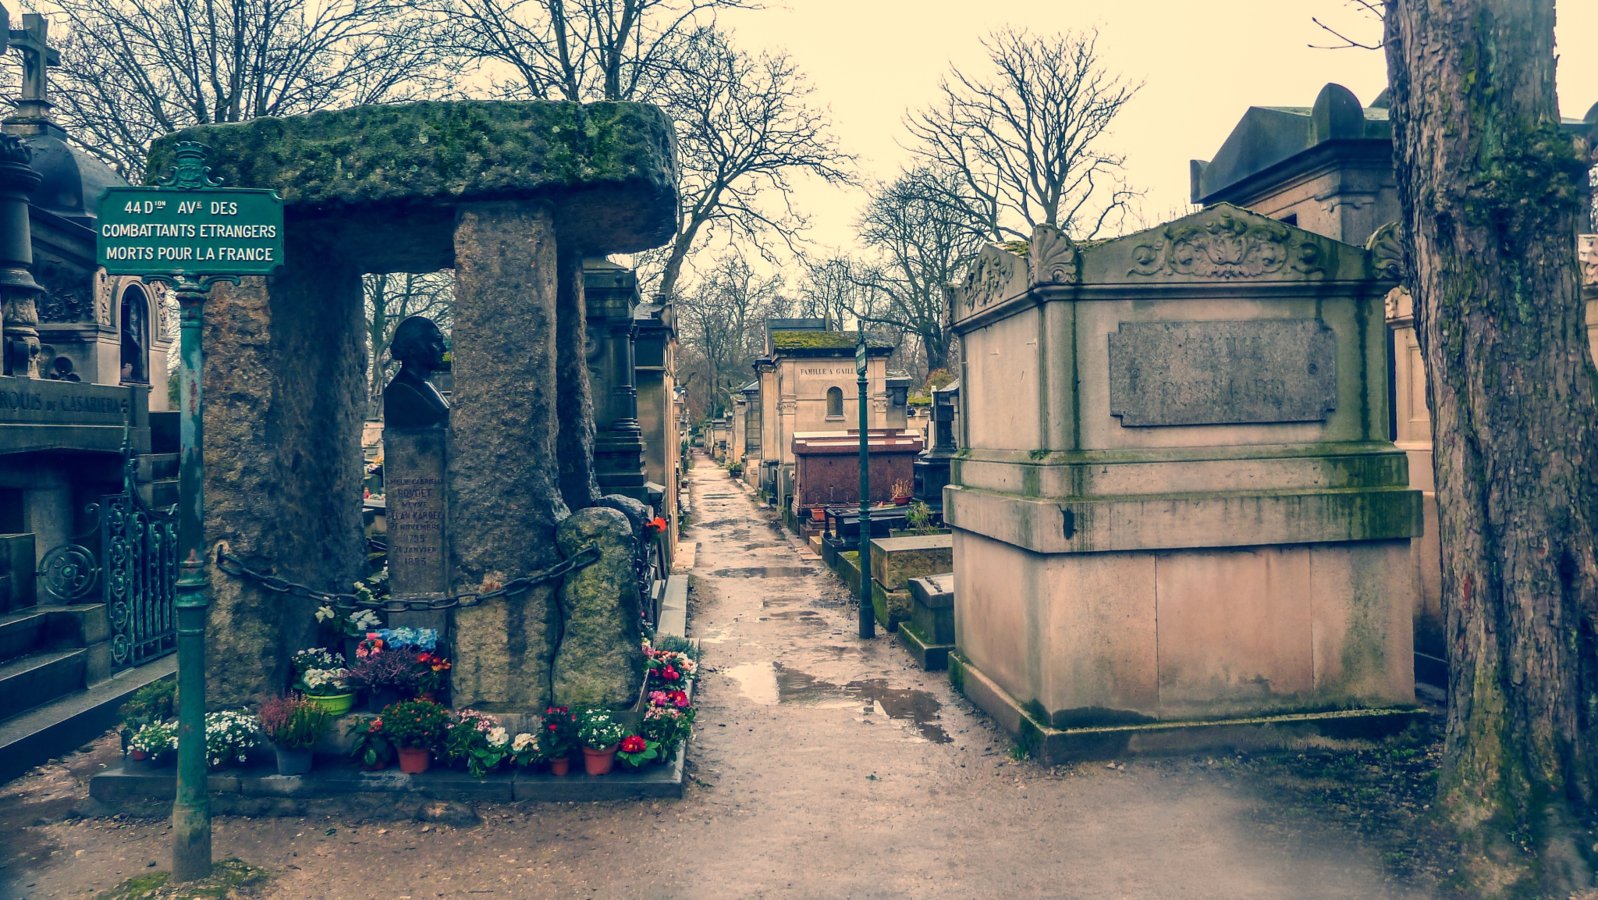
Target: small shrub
{"points": [[291, 723]]}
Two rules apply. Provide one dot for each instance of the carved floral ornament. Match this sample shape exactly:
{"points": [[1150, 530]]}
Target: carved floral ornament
{"points": [[1387, 253], [1226, 244], [1587, 254]]}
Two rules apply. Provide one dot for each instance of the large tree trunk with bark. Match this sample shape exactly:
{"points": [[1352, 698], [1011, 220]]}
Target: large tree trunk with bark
{"points": [[1492, 195]]}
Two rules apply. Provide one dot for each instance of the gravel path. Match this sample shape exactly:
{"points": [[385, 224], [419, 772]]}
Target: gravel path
{"points": [[824, 766]]}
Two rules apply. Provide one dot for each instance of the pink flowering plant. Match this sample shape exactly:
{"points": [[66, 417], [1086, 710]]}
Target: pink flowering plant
{"points": [[477, 741]]}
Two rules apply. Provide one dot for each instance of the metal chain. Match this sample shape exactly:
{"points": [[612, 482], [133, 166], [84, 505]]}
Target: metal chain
{"points": [[231, 565]]}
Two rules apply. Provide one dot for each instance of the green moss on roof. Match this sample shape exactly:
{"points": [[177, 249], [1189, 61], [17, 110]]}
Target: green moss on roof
{"points": [[820, 340]]}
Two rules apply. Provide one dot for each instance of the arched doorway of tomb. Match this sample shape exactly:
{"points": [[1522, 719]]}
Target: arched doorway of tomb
{"points": [[133, 317]]}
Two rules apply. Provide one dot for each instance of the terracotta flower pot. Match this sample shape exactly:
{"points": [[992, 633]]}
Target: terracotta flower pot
{"points": [[414, 760], [598, 762], [560, 765]]}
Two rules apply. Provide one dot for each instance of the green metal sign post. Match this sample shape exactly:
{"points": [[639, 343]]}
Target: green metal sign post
{"points": [[191, 234], [868, 619]]}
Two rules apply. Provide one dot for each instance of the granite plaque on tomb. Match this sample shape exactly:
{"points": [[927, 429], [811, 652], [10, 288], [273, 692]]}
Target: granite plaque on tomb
{"points": [[1222, 373]]}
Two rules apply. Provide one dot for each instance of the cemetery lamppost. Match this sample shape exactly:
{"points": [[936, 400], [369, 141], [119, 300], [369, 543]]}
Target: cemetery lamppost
{"points": [[868, 621]]}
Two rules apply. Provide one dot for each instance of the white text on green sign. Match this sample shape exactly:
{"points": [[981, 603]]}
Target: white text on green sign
{"points": [[150, 231]]}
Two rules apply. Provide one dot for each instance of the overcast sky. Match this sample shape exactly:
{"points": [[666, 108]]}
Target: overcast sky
{"points": [[1202, 64]]}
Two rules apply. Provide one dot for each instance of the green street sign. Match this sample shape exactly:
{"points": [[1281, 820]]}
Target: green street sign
{"points": [[860, 357], [176, 231]]}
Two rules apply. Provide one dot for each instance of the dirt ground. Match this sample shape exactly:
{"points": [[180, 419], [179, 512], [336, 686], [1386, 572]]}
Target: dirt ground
{"points": [[823, 766]]}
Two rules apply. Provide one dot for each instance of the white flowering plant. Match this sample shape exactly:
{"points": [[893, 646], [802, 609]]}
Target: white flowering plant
{"points": [[230, 735], [155, 739], [525, 750], [478, 741], [314, 658], [353, 624], [324, 682]]}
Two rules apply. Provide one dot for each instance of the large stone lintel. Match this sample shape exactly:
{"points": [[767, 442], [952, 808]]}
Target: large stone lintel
{"points": [[378, 173], [1181, 470], [1053, 746], [1185, 521]]}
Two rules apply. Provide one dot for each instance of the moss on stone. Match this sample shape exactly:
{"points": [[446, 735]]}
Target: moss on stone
{"points": [[821, 340]]}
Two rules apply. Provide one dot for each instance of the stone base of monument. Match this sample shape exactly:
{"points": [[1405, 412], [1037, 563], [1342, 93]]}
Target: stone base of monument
{"points": [[1053, 745], [337, 787], [929, 634]]}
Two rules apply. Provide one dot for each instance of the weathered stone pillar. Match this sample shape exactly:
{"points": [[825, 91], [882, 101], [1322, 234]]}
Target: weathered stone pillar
{"points": [[601, 660], [284, 385], [578, 484], [504, 478], [19, 317]]}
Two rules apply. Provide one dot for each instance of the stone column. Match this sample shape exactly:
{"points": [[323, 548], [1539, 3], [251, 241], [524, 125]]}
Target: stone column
{"points": [[576, 346], [504, 478], [612, 294], [285, 375], [19, 316]]}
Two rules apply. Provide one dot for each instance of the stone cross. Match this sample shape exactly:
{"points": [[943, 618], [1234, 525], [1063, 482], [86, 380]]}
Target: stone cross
{"points": [[37, 58]]}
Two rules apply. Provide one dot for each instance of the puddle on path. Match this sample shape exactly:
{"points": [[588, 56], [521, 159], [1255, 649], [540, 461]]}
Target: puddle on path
{"points": [[772, 683], [766, 572]]}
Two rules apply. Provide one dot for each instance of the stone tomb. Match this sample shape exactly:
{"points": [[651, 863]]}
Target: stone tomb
{"points": [[1177, 507], [513, 196]]}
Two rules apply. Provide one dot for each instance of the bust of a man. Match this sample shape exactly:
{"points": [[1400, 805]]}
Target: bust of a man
{"points": [[410, 401]]}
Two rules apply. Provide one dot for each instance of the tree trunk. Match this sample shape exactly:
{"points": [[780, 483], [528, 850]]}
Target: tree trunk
{"points": [[1491, 192]]}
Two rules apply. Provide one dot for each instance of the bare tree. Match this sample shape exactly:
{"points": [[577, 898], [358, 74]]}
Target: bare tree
{"points": [[1492, 192], [1025, 141], [744, 129], [723, 324], [133, 70], [390, 299], [831, 291], [579, 50], [922, 246]]}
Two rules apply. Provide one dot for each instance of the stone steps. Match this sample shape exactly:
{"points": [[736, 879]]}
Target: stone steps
{"points": [[67, 723], [23, 632], [39, 678]]}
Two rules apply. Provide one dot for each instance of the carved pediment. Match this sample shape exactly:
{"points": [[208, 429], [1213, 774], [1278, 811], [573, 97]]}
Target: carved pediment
{"points": [[1225, 243], [996, 275]]}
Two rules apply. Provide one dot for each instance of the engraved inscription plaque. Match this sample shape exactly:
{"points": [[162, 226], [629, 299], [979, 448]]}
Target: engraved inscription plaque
{"points": [[1222, 373]]}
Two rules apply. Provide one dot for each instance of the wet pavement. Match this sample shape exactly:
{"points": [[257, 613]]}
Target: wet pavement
{"points": [[823, 766]]}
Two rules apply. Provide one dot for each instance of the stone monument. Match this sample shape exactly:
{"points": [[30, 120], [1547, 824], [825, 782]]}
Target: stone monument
{"points": [[415, 467], [500, 191], [1177, 517]]}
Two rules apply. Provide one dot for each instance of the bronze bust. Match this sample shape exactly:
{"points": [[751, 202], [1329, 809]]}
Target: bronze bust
{"points": [[410, 401]]}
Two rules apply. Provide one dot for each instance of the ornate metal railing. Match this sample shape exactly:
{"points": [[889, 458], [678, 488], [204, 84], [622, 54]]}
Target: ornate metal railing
{"points": [[128, 559]]}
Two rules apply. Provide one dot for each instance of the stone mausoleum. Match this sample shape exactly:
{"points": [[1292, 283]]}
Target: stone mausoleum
{"points": [[1328, 168], [1176, 511]]}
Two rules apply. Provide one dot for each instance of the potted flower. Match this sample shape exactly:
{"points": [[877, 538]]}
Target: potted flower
{"points": [[901, 492], [432, 670], [600, 735], [415, 727], [526, 750], [320, 675], [387, 676], [230, 735], [667, 726], [293, 724], [369, 746], [153, 743], [559, 738], [476, 741], [635, 750], [154, 703], [349, 626]]}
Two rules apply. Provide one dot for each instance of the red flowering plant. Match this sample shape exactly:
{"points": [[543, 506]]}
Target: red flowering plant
{"points": [[667, 726], [636, 750], [656, 526], [370, 747], [415, 724], [669, 699], [559, 734], [669, 669], [432, 670]]}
